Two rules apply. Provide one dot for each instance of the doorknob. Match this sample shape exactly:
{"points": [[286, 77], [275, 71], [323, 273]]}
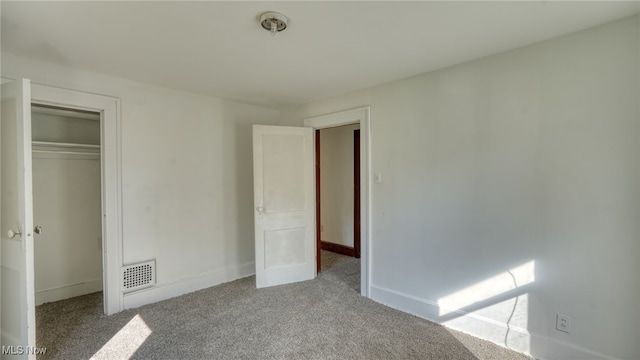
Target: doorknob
{"points": [[260, 210], [37, 229], [13, 234]]}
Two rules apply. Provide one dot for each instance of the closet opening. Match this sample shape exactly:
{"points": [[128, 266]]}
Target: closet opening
{"points": [[67, 203]]}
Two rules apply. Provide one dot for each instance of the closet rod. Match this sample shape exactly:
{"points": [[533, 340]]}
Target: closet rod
{"points": [[66, 152]]}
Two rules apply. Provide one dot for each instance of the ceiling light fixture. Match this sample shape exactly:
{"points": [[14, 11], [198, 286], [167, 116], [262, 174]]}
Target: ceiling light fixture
{"points": [[273, 21]]}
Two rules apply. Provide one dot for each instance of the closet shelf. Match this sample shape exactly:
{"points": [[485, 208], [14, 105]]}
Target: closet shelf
{"points": [[71, 150]]}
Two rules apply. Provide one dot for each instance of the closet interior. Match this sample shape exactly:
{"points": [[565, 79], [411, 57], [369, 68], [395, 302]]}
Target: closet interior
{"points": [[67, 202]]}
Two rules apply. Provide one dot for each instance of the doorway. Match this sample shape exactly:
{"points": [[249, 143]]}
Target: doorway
{"points": [[358, 116], [105, 150], [66, 175], [18, 302], [337, 152]]}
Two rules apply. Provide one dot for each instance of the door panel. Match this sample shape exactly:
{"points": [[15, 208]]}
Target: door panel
{"points": [[281, 248], [16, 215], [283, 178], [284, 207]]}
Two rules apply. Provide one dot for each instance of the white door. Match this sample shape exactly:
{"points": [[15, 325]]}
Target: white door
{"points": [[16, 222], [284, 204]]}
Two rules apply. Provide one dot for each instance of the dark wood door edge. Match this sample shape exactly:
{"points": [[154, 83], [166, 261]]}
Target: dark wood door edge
{"points": [[356, 193]]}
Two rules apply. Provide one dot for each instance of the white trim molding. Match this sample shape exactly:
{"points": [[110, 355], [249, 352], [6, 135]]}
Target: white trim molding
{"points": [[356, 116], [110, 154], [518, 339], [68, 291], [184, 286]]}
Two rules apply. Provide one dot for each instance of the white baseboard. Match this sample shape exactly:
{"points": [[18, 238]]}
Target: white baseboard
{"points": [[487, 329], [185, 286], [68, 291]]}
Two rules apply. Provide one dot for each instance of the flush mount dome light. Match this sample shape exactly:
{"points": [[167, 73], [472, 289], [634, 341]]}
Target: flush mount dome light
{"points": [[273, 21]]}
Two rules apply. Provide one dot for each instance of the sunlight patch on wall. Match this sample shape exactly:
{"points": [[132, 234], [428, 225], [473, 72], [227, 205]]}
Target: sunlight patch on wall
{"points": [[487, 289], [126, 341], [503, 323]]}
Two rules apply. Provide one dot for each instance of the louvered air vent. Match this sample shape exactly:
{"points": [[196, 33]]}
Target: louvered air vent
{"points": [[138, 276]]}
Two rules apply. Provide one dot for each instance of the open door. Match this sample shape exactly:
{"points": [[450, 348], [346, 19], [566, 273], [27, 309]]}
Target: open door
{"points": [[284, 203], [16, 223]]}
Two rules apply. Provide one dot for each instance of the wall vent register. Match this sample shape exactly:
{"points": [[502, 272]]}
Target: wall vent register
{"points": [[138, 276]]}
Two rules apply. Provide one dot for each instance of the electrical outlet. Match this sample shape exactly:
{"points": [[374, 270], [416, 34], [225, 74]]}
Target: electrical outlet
{"points": [[563, 323]]}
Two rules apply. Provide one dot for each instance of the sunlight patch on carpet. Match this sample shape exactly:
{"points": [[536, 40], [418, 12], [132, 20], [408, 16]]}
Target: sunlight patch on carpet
{"points": [[126, 341]]}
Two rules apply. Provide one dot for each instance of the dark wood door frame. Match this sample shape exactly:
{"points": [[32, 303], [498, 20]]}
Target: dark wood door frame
{"points": [[318, 223], [322, 245], [356, 193]]}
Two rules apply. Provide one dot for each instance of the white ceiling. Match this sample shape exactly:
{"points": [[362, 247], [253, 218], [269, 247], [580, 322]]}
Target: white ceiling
{"points": [[330, 48]]}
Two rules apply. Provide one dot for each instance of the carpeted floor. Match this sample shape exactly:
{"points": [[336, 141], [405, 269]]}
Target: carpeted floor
{"points": [[340, 269], [320, 319]]}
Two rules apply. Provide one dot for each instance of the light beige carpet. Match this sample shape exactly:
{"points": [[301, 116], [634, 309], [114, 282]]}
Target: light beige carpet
{"points": [[340, 269], [320, 319]]}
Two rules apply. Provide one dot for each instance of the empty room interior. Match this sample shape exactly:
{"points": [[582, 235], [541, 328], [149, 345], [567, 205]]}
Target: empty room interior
{"points": [[320, 180]]}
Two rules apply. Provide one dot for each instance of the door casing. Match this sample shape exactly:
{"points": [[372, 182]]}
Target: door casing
{"points": [[110, 159], [353, 116]]}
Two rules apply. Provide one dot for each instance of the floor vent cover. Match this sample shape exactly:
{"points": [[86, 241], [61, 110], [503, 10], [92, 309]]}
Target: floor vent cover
{"points": [[138, 276]]}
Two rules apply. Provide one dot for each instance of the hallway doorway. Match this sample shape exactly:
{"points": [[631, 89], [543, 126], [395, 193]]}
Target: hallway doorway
{"points": [[337, 151]]}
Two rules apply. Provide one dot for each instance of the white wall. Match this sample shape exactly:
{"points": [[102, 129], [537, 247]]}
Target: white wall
{"points": [[186, 177], [59, 128], [336, 184], [520, 167]]}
